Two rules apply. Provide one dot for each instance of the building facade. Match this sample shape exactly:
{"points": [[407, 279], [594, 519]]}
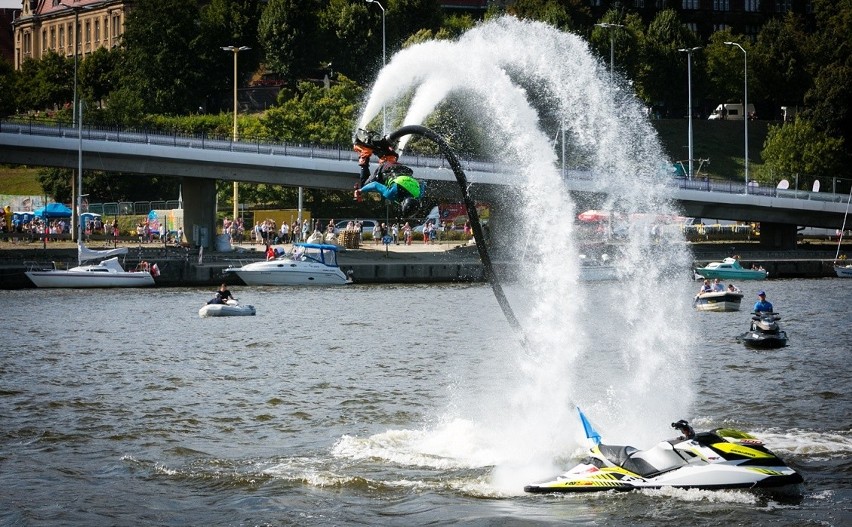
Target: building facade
{"points": [[49, 25]]}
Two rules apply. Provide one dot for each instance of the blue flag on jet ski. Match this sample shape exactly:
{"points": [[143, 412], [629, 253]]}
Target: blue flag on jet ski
{"points": [[591, 433]]}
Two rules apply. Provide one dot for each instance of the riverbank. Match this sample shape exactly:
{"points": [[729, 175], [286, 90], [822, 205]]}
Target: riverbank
{"points": [[370, 263]]}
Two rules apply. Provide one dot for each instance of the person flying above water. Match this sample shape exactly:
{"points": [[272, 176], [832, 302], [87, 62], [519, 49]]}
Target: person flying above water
{"points": [[399, 183]]}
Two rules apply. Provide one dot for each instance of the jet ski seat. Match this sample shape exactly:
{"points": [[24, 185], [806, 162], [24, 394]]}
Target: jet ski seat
{"points": [[653, 461], [617, 454]]}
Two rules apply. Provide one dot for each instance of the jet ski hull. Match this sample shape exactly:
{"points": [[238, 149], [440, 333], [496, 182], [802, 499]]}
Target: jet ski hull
{"points": [[754, 339], [707, 461]]}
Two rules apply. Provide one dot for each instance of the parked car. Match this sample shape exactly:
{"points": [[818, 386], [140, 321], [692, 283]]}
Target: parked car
{"points": [[366, 226]]}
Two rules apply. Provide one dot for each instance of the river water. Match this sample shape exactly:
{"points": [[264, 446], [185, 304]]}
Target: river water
{"points": [[378, 405]]}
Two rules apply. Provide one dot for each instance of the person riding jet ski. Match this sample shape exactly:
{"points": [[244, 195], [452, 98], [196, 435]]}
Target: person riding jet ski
{"points": [[391, 179], [683, 427]]}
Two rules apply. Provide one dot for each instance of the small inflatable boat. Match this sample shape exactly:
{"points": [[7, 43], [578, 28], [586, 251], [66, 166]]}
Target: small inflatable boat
{"points": [[231, 309]]}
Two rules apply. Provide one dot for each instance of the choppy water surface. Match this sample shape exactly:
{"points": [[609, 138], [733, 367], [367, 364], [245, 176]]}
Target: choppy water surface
{"points": [[388, 405]]}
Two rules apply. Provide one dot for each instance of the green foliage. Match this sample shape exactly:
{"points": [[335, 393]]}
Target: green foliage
{"points": [[166, 62], [355, 24], [286, 32], [563, 14], [662, 79], [233, 23], [8, 77], [799, 148], [725, 67], [97, 74], [780, 63], [316, 114]]}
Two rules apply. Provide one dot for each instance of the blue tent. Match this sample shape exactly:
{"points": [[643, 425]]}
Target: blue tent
{"points": [[53, 210]]}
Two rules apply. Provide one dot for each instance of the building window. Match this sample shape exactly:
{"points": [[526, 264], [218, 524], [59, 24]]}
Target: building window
{"points": [[596, 3], [88, 32], [97, 31], [639, 3], [660, 4], [106, 28], [721, 5], [692, 26], [43, 41], [752, 6], [691, 4], [53, 38], [115, 26], [782, 6], [719, 27], [62, 38]]}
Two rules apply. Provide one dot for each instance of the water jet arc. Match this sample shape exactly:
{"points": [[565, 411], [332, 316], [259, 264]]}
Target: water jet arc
{"points": [[472, 214]]}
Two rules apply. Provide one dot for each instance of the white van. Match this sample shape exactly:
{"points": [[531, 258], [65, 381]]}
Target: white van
{"points": [[731, 111]]}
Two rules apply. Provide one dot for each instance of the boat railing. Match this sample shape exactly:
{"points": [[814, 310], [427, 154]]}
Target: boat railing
{"points": [[37, 265]]}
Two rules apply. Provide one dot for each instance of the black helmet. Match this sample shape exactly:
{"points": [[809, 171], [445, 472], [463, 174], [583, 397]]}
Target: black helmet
{"points": [[680, 424]]}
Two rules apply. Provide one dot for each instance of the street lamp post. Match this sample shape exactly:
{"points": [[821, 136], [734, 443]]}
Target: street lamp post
{"points": [[384, 60], [689, 52], [74, 119], [607, 25], [236, 50], [745, 106]]}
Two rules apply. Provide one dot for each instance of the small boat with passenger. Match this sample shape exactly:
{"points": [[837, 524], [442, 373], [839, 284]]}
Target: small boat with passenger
{"points": [[718, 301]]}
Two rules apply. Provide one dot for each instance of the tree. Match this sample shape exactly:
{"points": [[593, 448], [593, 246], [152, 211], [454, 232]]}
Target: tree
{"points": [[316, 114], [662, 79], [8, 104], [165, 61], [287, 32], [725, 67], [780, 64], [231, 23], [97, 74], [55, 79], [828, 99], [625, 42], [352, 23], [562, 14], [800, 148]]}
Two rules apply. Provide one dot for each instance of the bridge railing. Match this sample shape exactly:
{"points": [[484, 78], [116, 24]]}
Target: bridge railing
{"points": [[258, 145]]}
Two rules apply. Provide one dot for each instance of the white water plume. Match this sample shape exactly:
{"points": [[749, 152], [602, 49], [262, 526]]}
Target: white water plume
{"points": [[620, 355]]}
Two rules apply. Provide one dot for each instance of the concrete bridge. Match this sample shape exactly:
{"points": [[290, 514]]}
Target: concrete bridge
{"points": [[200, 161]]}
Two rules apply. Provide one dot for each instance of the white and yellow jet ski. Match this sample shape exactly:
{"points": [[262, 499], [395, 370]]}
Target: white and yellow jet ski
{"points": [[723, 458]]}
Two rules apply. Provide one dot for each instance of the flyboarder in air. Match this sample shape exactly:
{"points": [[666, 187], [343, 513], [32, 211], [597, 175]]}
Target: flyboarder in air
{"points": [[392, 180]]}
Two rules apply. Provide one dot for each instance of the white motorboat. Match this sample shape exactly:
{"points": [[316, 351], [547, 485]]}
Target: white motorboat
{"points": [[843, 271], [230, 309], [108, 273], [718, 301], [308, 264]]}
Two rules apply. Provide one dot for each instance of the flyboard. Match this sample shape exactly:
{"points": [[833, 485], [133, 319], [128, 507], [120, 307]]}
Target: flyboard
{"points": [[472, 215]]}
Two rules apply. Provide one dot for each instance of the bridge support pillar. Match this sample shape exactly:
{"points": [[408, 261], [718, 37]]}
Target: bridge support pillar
{"points": [[199, 211], [778, 236]]}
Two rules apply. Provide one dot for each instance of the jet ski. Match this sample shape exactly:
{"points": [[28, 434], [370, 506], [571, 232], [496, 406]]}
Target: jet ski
{"points": [[723, 458], [764, 332]]}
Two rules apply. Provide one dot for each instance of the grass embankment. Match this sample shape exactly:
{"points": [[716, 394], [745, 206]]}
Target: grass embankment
{"points": [[719, 141], [20, 181]]}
